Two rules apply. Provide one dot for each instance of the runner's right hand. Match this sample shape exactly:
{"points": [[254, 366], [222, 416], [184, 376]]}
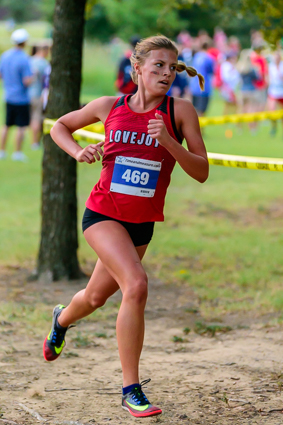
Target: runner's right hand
{"points": [[90, 153]]}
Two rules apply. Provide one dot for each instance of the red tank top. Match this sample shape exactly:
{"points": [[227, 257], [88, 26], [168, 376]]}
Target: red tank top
{"points": [[136, 170]]}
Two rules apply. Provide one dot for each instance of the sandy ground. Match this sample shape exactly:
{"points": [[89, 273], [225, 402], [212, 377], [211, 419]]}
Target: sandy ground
{"points": [[231, 378]]}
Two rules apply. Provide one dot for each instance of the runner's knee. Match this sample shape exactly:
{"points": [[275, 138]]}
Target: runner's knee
{"points": [[95, 301], [136, 290]]}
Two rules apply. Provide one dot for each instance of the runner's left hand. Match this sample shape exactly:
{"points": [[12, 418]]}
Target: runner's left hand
{"points": [[157, 130]]}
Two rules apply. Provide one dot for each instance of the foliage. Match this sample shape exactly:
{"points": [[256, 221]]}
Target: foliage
{"points": [[268, 12], [19, 12], [104, 18], [127, 17], [178, 339], [47, 9], [89, 7], [98, 24], [208, 17], [210, 329]]}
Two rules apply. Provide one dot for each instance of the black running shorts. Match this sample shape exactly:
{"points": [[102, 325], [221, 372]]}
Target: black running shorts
{"points": [[18, 115], [140, 233]]}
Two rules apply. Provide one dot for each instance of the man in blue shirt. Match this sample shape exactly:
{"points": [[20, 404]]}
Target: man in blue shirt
{"points": [[204, 64], [16, 73]]}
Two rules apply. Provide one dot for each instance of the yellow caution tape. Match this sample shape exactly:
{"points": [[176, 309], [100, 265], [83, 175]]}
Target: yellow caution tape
{"points": [[79, 135], [47, 125], [88, 136], [98, 127], [250, 162], [237, 161], [258, 116], [203, 121], [94, 128]]}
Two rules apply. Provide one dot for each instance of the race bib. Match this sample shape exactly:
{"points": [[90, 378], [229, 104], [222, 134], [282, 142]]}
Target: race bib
{"points": [[134, 176]]}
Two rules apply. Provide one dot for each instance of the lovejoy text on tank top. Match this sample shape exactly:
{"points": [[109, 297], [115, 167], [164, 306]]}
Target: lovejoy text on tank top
{"points": [[136, 169]]}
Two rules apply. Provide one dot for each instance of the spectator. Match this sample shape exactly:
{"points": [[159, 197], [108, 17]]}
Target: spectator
{"points": [[275, 89], [183, 37], [39, 66], [124, 82], [230, 78], [204, 64], [260, 62], [10, 25], [180, 86], [203, 37], [234, 45], [17, 76], [248, 76], [218, 58], [45, 90], [220, 39], [256, 37], [185, 41], [213, 51]]}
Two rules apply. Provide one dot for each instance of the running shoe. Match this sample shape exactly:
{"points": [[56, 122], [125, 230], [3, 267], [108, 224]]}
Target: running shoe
{"points": [[19, 156], [137, 403], [3, 155], [55, 340]]}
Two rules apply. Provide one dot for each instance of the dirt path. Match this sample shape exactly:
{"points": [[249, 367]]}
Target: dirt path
{"points": [[231, 378]]}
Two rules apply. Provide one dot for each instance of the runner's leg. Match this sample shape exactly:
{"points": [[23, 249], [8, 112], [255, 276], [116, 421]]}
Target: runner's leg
{"points": [[99, 288], [113, 245]]}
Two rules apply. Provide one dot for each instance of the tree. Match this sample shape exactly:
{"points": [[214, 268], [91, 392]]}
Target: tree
{"points": [[57, 256]]}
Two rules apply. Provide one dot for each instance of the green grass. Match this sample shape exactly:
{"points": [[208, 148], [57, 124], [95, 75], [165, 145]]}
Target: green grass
{"points": [[98, 72], [223, 238]]}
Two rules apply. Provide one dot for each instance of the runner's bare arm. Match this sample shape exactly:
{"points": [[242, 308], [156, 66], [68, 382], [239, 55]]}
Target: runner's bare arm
{"points": [[61, 133], [194, 160]]}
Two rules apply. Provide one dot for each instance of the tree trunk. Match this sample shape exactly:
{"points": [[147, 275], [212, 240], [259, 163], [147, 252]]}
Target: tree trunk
{"points": [[57, 256]]}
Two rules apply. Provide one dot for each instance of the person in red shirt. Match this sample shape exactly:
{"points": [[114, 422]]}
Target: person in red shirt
{"points": [[259, 61], [143, 141], [124, 82], [218, 58]]}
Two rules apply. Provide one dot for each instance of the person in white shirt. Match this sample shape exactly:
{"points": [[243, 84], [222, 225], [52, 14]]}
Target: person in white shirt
{"points": [[230, 79], [39, 65], [275, 88]]}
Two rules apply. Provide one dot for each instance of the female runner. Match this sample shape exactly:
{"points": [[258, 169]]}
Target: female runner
{"points": [[143, 140]]}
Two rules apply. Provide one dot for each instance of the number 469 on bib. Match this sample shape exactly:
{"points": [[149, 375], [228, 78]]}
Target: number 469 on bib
{"points": [[135, 176]]}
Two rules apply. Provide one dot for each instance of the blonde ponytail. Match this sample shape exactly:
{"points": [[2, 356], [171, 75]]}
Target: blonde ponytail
{"points": [[192, 72]]}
